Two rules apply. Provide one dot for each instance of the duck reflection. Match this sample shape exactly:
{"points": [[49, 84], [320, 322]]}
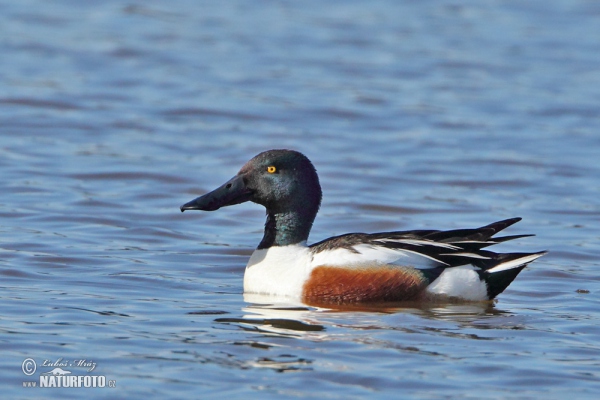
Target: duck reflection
{"points": [[279, 316]]}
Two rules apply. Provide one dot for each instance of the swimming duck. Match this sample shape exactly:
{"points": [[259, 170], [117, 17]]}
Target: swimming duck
{"points": [[356, 267]]}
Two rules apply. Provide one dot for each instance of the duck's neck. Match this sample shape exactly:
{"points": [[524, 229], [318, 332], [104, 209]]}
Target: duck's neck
{"points": [[286, 228]]}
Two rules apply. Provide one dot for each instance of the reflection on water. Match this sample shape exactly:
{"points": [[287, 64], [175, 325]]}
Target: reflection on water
{"points": [[273, 317], [266, 318]]}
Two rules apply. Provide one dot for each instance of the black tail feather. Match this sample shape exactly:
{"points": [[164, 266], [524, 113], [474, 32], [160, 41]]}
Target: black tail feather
{"points": [[501, 225], [507, 238], [479, 234], [498, 281], [495, 259]]}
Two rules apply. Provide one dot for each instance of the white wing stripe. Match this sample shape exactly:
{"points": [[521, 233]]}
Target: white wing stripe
{"points": [[514, 263], [416, 242], [424, 255], [470, 255]]}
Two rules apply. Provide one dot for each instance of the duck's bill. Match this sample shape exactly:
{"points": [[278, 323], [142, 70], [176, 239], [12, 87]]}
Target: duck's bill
{"points": [[231, 192]]}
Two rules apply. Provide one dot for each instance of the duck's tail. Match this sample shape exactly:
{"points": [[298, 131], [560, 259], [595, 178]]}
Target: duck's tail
{"points": [[501, 269]]}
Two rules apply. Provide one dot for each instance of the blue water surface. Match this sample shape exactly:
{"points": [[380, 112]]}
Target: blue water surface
{"points": [[417, 115]]}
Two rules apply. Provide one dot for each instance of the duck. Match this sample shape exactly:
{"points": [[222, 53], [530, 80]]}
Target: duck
{"points": [[355, 268]]}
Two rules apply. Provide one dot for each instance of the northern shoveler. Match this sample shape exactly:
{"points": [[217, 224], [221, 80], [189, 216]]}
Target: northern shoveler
{"points": [[356, 267]]}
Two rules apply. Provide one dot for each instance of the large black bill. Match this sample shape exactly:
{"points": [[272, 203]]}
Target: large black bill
{"points": [[231, 192]]}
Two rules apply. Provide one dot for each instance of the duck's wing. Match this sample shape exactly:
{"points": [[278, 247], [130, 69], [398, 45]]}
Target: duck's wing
{"points": [[420, 248]]}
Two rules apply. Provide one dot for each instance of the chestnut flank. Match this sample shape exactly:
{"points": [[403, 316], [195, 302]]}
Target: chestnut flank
{"points": [[370, 283]]}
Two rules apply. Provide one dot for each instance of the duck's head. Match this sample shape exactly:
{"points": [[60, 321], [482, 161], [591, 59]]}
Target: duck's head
{"points": [[281, 180]]}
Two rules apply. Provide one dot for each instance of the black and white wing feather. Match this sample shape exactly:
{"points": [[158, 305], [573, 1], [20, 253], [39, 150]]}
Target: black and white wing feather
{"points": [[424, 248]]}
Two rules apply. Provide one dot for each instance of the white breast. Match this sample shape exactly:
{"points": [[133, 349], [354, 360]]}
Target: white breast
{"points": [[279, 271]]}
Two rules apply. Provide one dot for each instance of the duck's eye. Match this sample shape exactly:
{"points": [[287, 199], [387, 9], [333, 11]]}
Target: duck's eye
{"points": [[271, 169]]}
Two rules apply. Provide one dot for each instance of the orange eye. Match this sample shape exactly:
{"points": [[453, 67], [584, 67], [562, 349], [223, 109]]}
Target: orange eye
{"points": [[271, 169]]}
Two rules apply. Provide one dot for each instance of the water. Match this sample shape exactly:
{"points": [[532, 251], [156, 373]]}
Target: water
{"points": [[416, 114]]}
